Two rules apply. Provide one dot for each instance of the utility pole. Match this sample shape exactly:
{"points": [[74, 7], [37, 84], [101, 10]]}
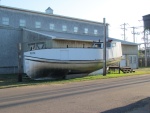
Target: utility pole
{"points": [[104, 49], [134, 33], [124, 30]]}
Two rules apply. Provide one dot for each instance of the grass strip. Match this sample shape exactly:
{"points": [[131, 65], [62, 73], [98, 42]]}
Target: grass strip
{"points": [[9, 81]]}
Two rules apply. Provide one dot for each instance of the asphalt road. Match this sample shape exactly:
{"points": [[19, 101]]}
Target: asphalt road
{"points": [[99, 96]]}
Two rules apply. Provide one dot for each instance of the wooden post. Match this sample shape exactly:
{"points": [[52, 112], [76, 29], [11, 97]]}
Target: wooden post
{"points": [[104, 49], [19, 62], [145, 45], [119, 67]]}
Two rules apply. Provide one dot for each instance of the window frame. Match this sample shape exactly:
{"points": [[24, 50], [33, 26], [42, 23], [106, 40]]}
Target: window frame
{"points": [[22, 23], [5, 20], [51, 26], [95, 32], [86, 30], [64, 28], [37, 24], [75, 29], [134, 59]]}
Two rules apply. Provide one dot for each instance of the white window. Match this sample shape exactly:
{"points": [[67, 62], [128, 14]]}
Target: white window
{"points": [[5, 21], [51, 26], [113, 44], [95, 32], [64, 28], [37, 24], [22, 23], [85, 30], [75, 29]]}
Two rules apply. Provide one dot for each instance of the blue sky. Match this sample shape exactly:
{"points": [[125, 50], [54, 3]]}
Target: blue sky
{"points": [[116, 12]]}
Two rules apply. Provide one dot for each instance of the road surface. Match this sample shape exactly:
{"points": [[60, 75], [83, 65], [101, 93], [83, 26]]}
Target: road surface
{"points": [[116, 95]]}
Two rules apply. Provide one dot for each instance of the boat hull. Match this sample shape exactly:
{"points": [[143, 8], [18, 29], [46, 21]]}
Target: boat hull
{"points": [[38, 68]]}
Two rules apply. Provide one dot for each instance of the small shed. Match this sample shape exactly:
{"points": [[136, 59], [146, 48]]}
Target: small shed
{"points": [[130, 54]]}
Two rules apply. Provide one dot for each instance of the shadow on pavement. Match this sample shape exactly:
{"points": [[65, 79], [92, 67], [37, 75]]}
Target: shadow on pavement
{"points": [[129, 107]]}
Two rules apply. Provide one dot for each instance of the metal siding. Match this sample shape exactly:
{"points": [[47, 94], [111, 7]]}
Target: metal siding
{"points": [[129, 49], [146, 19], [15, 16], [8, 46]]}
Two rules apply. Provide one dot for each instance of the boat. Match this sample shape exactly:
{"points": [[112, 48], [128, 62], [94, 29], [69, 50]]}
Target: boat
{"points": [[59, 62]]}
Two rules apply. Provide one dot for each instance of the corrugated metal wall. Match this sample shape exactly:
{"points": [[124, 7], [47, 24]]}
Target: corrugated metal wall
{"points": [[130, 49], [9, 39]]}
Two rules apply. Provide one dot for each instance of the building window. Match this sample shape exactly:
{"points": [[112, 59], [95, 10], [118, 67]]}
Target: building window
{"points": [[130, 59], [75, 29], [113, 44], [37, 24], [22, 23], [95, 32], [108, 44], [86, 30], [134, 59], [51, 26], [64, 28], [5, 21]]}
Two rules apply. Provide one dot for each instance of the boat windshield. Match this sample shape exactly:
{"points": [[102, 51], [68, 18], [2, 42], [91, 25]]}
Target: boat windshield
{"points": [[100, 44]]}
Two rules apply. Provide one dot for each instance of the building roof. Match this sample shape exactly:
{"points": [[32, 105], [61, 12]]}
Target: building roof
{"points": [[78, 37], [124, 42], [66, 36], [51, 15]]}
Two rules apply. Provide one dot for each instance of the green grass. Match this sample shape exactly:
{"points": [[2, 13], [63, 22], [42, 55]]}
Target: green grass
{"points": [[8, 81]]}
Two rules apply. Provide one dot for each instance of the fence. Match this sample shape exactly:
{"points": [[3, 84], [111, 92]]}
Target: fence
{"points": [[142, 62]]}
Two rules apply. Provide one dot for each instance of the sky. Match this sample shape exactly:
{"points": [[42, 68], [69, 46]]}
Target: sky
{"points": [[116, 12]]}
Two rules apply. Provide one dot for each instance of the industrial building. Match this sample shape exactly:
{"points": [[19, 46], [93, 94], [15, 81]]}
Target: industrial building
{"points": [[38, 30]]}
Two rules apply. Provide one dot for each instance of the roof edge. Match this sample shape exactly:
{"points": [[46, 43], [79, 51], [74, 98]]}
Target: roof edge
{"points": [[53, 15]]}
